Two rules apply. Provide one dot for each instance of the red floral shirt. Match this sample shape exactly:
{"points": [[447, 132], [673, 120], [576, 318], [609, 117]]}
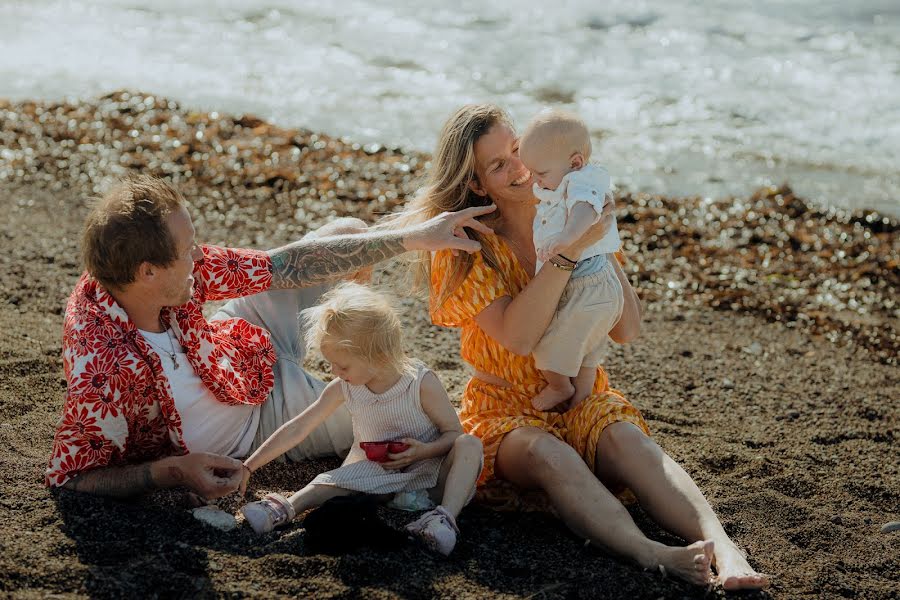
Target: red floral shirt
{"points": [[119, 407]]}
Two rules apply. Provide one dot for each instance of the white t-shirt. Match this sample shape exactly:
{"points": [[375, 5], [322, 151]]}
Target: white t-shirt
{"points": [[207, 425], [589, 184]]}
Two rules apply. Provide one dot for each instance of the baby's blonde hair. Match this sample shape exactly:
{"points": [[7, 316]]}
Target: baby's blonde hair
{"points": [[360, 320], [557, 131]]}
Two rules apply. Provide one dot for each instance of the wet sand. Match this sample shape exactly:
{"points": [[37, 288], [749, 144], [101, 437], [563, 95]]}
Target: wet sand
{"points": [[767, 367]]}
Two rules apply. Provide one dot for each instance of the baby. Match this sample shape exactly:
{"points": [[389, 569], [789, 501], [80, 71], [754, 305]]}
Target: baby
{"points": [[556, 147]]}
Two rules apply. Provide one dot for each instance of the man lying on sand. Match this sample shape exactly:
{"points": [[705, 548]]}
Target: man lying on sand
{"points": [[157, 395]]}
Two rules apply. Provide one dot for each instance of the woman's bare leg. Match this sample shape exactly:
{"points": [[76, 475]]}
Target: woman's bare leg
{"points": [[532, 458], [459, 472], [626, 456]]}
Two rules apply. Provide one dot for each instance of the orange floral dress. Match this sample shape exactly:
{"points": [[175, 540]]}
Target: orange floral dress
{"points": [[489, 411]]}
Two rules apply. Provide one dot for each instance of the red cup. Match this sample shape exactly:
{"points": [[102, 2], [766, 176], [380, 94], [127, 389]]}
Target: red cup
{"points": [[397, 447], [378, 451]]}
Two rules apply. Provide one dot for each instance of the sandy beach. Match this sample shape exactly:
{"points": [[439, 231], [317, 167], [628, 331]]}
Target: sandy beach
{"points": [[767, 367]]}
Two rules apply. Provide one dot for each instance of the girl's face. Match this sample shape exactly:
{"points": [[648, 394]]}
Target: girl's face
{"points": [[346, 365], [500, 173]]}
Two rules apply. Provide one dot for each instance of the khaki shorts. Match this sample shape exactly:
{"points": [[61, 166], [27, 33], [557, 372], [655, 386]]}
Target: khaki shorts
{"points": [[578, 335]]}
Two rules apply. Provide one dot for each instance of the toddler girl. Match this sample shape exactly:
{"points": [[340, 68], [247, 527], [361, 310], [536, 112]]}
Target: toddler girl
{"points": [[390, 398], [556, 147]]}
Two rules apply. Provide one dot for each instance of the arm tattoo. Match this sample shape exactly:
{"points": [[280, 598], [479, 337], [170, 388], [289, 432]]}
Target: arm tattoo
{"points": [[118, 482], [317, 260]]}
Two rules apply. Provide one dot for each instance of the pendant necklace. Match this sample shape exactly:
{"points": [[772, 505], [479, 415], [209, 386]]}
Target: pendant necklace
{"points": [[171, 353]]}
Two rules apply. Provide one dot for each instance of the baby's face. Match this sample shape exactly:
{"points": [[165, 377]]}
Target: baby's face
{"points": [[547, 168]]}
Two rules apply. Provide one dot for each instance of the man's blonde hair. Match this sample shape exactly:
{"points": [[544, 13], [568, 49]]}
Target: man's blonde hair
{"points": [[361, 321], [557, 131]]}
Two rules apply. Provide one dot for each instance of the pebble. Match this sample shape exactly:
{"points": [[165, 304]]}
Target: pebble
{"points": [[772, 254], [755, 349], [889, 527], [727, 384], [215, 517]]}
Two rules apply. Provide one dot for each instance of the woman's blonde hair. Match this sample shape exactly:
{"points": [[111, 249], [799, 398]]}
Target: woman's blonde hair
{"points": [[359, 320], [447, 190]]}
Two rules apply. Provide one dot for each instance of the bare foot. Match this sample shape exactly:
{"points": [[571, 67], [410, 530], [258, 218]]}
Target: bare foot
{"points": [[690, 563], [550, 396], [584, 385], [734, 572]]}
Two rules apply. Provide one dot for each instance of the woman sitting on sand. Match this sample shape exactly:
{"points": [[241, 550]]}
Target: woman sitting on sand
{"points": [[578, 454]]}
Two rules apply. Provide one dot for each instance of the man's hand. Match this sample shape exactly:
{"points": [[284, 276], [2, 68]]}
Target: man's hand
{"points": [[209, 475], [447, 231]]}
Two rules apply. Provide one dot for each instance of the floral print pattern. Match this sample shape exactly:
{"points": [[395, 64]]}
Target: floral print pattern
{"points": [[119, 407]]}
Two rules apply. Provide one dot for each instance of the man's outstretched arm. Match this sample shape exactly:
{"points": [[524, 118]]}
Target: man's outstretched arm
{"points": [[209, 475], [312, 261]]}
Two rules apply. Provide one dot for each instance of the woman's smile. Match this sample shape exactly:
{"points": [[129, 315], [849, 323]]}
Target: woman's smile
{"points": [[522, 179]]}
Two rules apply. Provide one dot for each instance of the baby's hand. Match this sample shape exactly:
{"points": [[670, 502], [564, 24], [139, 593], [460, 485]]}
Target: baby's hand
{"points": [[245, 479], [556, 244], [414, 453]]}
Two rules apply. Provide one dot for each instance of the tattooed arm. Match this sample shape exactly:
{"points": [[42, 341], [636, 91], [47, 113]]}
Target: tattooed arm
{"points": [[317, 260], [312, 261], [209, 475]]}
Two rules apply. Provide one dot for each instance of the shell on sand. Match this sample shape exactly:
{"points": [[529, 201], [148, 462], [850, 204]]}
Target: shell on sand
{"points": [[215, 517], [889, 527]]}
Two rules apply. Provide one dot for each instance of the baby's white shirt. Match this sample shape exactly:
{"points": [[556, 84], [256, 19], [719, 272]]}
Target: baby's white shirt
{"points": [[589, 184]]}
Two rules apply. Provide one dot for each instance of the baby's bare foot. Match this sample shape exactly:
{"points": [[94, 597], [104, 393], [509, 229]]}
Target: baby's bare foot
{"points": [[551, 396], [734, 572], [689, 563]]}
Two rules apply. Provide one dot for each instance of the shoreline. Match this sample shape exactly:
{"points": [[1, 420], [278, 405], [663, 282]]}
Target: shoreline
{"points": [[829, 272], [790, 436]]}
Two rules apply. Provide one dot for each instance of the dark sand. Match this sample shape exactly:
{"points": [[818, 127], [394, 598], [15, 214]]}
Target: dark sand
{"points": [[780, 400]]}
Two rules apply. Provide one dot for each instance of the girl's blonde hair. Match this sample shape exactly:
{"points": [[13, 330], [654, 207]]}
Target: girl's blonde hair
{"points": [[360, 320], [447, 190]]}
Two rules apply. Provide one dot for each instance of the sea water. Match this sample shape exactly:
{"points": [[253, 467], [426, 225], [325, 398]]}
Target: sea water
{"points": [[697, 97]]}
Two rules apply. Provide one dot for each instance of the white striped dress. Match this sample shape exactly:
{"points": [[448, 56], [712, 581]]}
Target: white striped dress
{"points": [[393, 415]]}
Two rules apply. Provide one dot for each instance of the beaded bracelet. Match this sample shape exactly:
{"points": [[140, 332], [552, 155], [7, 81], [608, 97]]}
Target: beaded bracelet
{"points": [[561, 266]]}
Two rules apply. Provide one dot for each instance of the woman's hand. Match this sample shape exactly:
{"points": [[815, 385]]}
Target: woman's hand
{"points": [[446, 231], [596, 232], [417, 451]]}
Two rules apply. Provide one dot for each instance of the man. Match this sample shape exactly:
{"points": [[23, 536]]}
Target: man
{"points": [[157, 395]]}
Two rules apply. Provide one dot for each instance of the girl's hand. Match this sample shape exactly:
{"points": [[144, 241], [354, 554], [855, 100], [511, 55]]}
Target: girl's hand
{"points": [[417, 451], [245, 478]]}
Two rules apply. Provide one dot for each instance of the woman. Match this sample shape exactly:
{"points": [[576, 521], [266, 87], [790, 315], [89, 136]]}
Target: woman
{"points": [[576, 456]]}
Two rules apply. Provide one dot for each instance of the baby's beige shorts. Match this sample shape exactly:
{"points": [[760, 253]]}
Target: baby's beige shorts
{"points": [[579, 333]]}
